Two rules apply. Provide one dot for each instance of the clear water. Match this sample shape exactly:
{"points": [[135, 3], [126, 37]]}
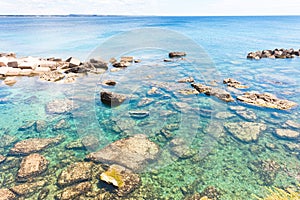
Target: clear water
{"points": [[219, 159]]}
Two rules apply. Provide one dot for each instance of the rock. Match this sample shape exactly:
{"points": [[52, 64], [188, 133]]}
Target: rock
{"points": [[109, 83], [6, 194], [27, 125], [32, 165], [112, 99], [73, 62], [292, 124], [276, 53], [13, 64], [186, 80], [133, 152], [43, 194], [137, 61], [28, 188], [145, 102], [139, 114], [76, 70], [211, 91], [10, 81], [211, 193], [74, 192], [40, 126], [41, 70], [113, 60], [267, 170], [121, 64], [33, 145], [62, 124], [266, 100], [75, 173], [153, 91], [27, 65], [127, 59], [224, 115], [115, 69], [76, 145], [287, 134], [237, 108], [60, 106], [188, 91], [247, 114], [7, 140], [181, 149], [230, 82], [98, 63], [52, 76], [91, 142], [124, 179], [2, 159], [26, 72], [2, 64], [245, 131], [177, 54], [168, 60]]}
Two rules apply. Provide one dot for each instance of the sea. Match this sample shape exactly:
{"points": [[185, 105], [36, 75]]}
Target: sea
{"points": [[199, 154]]}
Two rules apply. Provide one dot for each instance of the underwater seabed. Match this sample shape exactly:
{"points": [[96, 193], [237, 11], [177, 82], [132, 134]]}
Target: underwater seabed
{"points": [[211, 161]]}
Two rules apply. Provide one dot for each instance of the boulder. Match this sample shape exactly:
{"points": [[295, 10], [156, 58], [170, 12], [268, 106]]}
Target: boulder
{"points": [[112, 99], [276, 53], [266, 100], [2, 64], [32, 165], [73, 62], [41, 70], [2, 159], [27, 65], [186, 80], [212, 91], [74, 192], [61, 106], [52, 76], [75, 173], [13, 64], [27, 189], [7, 140], [121, 64], [27, 125], [124, 179], [33, 145], [6, 194], [13, 71], [98, 63], [287, 133], [177, 54], [133, 152], [139, 114], [245, 131], [188, 92], [230, 82]]}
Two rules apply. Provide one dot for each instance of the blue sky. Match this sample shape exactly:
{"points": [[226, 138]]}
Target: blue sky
{"points": [[152, 7]]}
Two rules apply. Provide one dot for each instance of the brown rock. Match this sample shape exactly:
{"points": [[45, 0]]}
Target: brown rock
{"points": [[28, 188], [32, 165], [74, 192], [133, 152], [230, 82], [2, 64], [287, 134], [6, 194], [90, 142], [212, 91], [112, 99], [181, 149], [177, 54], [109, 83], [40, 126], [186, 80], [13, 64], [10, 81], [127, 59]]}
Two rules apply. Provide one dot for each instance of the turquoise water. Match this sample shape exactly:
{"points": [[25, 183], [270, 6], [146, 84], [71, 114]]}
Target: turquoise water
{"points": [[214, 157]]}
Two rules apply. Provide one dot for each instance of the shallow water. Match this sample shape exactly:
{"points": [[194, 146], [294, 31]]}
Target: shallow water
{"points": [[214, 157]]}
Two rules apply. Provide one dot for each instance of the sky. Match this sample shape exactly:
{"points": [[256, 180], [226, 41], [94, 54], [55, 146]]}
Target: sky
{"points": [[151, 7]]}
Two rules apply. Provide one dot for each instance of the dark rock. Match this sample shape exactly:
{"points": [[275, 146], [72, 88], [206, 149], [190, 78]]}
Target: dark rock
{"points": [[266, 100], [137, 61], [32, 165], [61, 106], [186, 80], [98, 63], [73, 62], [121, 64], [211, 91], [133, 152], [267, 170], [112, 99], [139, 114], [177, 54], [109, 83], [13, 64], [6, 194], [287, 133], [276, 53], [28, 188], [52, 76], [168, 60], [79, 69], [74, 192]]}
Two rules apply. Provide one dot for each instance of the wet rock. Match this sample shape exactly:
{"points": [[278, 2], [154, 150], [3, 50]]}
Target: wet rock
{"points": [[133, 152], [7, 140], [32, 165], [52, 76], [292, 124], [177, 54], [6, 194], [230, 82], [27, 125], [2, 159], [115, 69], [10, 81], [76, 70], [245, 131], [247, 114], [73, 62], [28, 188], [137, 61], [145, 102], [33, 145], [40, 126], [139, 114], [168, 60], [74, 192], [112, 99], [266, 100], [61, 106], [2, 64], [62, 124], [186, 80], [286, 133], [75, 173], [224, 115], [113, 60], [121, 64], [98, 63], [181, 149], [124, 179], [211, 91], [109, 83]]}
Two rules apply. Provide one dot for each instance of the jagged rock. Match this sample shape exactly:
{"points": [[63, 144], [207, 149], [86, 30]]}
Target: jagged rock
{"points": [[186, 80], [137, 61], [73, 62], [211, 91], [153, 91], [124, 179], [75, 173], [6, 194], [43, 194], [60, 106], [74, 192], [76, 70], [287, 134], [40, 126], [76, 145], [266, 100], [211, 193], [10, 81], [2, 159], [109, 83], [245, 131], [139, 114], [32, 165], [133, 152], [121, 64], [177, 54], [27, 125], [62, 124], [112, 99], [234, 83], [145, 102], [33, 145], [52, 76], [28, 188]]}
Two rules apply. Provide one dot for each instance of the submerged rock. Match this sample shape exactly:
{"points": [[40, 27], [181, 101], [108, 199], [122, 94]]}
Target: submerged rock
{"points": [[10, 81], [28, 188], [7, 140], [27, 125], [234, 83], [266, 100], [177, 54], [245, 131], [61, 124], [40, 126], [6, 194], [181, 149], [139, 114], [33, 145], [287, 133], [247, 114], [74, 192], [133, 152], [2, 159], [32, 165], [145, 102], [61, 106], [112, 99], [75, 173], [212, 91], [124, 179]]}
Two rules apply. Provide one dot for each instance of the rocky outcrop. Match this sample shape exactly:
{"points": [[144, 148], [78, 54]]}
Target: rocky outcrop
{"points": [[6, 194], [230, 82], [177, 54], [27, 189], [276, 53], [133, 152], [212, 91], [266, 100], [112, 99], [287, 133], [33, 145], [61, 106], [74, 192], [32, 165], [75, 173], [245, 131]]}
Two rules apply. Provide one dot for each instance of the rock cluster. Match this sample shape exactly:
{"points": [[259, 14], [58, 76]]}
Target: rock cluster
{"points": [[276, 53], [212, 91], [125, 61]]}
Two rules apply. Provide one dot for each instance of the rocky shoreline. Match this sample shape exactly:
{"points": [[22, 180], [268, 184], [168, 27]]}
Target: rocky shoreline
{"points": [[274, 54]]}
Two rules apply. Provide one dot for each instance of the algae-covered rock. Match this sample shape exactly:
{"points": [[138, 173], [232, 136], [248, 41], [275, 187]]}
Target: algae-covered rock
{"points": [[28, 188], [124, 179], [32, 165], [74, 192]]}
